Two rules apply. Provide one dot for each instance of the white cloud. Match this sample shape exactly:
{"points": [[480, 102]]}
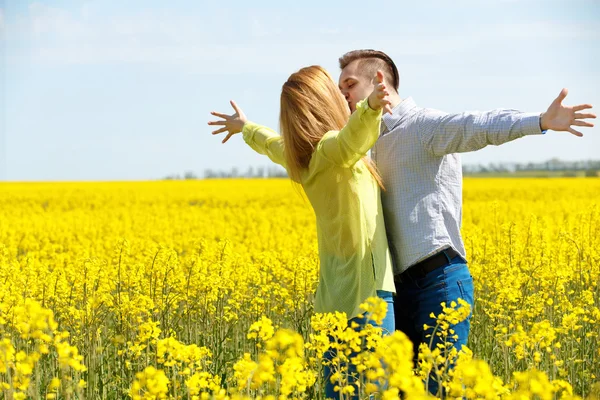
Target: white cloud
{"points": [[46, 20], [544, 30], [203, 44]]}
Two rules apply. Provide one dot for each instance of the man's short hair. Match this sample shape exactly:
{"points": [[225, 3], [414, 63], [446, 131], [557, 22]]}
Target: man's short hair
{"points": [[370, 62]]}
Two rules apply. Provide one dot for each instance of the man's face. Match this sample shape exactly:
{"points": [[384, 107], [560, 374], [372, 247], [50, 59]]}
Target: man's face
{"points": [[354, 86]]}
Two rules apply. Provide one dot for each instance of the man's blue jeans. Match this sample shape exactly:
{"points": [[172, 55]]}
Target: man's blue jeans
{"points": [[388, 328], [416, 299]]}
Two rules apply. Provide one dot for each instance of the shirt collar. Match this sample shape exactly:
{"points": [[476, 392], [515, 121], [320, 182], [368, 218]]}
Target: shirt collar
{"points": [[390, 121]]}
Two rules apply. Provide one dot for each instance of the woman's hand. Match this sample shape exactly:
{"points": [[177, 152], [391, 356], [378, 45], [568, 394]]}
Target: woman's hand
{"points": [[379, 97], [232, 123]]}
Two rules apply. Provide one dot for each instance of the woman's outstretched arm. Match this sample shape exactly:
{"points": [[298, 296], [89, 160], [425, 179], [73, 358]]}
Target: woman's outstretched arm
{"points": [[262, 139]]}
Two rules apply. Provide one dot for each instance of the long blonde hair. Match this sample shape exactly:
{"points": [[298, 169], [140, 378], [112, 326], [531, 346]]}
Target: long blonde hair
{"points": [[311, 105]]}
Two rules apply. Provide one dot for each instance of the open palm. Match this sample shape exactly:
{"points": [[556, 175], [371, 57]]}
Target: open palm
{"points": [[233, 123], [559, 117]]}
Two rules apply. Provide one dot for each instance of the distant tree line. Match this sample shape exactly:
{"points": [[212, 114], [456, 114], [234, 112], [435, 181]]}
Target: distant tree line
{"points": [[588, 167], [251, 172], [565, 168]]}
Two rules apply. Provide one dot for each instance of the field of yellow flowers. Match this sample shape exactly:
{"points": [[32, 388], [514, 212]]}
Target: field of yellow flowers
{"points": [[204, 289]]}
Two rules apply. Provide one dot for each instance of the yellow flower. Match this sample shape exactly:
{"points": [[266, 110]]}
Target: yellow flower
{"points": [[150, 384], [187, 276], [54, 384]]}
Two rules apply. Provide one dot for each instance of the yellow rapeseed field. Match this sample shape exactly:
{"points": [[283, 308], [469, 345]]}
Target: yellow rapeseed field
{"points": [[204, 289]]}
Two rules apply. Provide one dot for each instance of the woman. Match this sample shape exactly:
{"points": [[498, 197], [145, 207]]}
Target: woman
{"points": [[324, 150]]}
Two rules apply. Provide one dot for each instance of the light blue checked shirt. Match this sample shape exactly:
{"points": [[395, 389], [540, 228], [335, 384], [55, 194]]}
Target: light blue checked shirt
{"points": [[416, 156]]}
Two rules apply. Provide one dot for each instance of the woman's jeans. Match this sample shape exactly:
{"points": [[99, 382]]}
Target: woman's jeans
{"points": [[388, 326]]}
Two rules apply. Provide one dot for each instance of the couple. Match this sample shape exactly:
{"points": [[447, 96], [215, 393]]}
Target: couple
{"points": [[404, 239]]}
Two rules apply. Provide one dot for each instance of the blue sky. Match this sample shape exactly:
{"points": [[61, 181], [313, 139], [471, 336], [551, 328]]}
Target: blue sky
{"points": [[115, 90]]}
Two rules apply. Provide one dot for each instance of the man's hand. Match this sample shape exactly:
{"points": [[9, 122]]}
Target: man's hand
{"points": [[379, 97], [560, 118], [233, 123]]}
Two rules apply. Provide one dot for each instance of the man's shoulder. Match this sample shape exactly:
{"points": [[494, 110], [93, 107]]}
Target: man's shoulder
{"points": [[429, 113], [414, 118]]}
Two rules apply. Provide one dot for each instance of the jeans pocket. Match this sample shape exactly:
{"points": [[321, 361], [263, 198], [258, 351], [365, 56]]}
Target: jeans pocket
{"points": [[465, 286], [433, 281]]}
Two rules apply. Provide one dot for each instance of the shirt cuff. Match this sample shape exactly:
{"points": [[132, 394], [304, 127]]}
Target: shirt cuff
{"points": [[530, 124], [540, 122], [362, 107], [248, 132]]}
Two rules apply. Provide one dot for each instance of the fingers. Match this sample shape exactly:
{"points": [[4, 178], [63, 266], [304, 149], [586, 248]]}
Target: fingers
{"points": [[381, 90], [583, 107], [227, 137], [216, 114], [574, 132], [219, 130], [235, 107], [382, 94], [581, 116], [217, 122], [561, 96], [386, 104], [583, 123]]}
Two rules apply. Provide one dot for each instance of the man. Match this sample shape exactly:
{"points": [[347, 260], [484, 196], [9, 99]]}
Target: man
{"points": [[416, 155]]}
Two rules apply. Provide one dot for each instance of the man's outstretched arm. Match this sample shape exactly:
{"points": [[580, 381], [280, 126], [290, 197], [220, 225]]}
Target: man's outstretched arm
{"points": [[443, 133]]}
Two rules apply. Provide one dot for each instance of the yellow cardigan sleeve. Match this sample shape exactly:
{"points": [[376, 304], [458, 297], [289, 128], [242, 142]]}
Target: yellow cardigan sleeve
{"points": [[265, 141], [355, 139]]}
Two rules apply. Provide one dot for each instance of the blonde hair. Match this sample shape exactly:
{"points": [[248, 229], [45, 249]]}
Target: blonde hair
{"points": [[311, 105]]}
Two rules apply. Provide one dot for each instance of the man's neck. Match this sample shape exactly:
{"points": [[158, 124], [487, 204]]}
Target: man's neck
{"points": [[395, 99]]}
